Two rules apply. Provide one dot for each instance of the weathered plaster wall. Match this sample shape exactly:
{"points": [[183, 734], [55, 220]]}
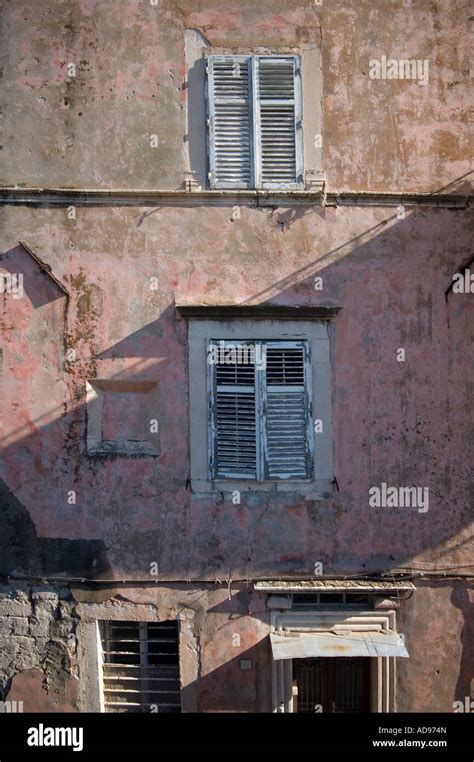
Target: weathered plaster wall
{"points": [[438, 623], [93, 129], [403, 423], [39, 648], [49, 645], [64, 513]]}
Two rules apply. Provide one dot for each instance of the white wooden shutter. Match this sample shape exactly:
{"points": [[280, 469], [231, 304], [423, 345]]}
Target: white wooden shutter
{"points": [[288, 426], [233, 416], [229, 122], [278, 122]]}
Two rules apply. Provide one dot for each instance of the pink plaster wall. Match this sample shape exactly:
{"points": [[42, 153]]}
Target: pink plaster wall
{"points": [[402, 423]]}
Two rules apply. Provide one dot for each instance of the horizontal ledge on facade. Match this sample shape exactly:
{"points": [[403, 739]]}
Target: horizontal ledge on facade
{"points": [[257, 198], [256, 311], [373, 198], [140, 196]]}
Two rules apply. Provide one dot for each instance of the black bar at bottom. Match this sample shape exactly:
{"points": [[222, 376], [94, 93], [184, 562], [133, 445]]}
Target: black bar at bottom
{"points": [[84, 736]]}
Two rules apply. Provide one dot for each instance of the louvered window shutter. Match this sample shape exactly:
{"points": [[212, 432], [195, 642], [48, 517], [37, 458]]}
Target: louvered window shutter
{"points": [[230, 122], [260, 412], [288, 412], [254, 122], [278, 122], [233, 403]]}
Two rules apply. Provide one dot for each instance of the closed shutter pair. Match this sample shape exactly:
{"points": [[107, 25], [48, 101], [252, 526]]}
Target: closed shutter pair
{"points": [[260, 411], [254, 122]]}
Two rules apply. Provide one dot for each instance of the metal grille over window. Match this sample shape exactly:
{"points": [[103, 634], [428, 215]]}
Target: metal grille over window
{"points": [[140, 666], [308, 601], [331, 685], [254, 122], [260, 410]]}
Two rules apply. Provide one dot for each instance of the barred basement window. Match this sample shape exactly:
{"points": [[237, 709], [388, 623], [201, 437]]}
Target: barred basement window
{"points": [[254, 122], [140, 666], [260, 410]]}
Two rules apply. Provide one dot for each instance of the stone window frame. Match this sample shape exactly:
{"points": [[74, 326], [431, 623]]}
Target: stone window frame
{"points": [[383, 676], [316, 332], [198, 49], [91, 697]]}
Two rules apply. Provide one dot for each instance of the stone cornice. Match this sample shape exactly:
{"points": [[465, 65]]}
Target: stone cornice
{"points": [[143, 197]]}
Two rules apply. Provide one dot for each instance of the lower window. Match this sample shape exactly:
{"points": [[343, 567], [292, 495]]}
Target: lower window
{"points": [[140, 666]]}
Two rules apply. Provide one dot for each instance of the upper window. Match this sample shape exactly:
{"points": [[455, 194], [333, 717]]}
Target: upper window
{"points": [[254, 122], [260, 405]]}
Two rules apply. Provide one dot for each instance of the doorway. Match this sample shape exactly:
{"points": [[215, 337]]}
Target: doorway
{"points": [[331, 685]]}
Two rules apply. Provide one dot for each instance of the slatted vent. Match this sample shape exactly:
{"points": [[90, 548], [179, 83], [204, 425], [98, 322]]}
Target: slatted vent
{"points": [[140, 666], [276, 88], [285, 366], [235, 419], [286, 414], [240, 372], [231, 122]]}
